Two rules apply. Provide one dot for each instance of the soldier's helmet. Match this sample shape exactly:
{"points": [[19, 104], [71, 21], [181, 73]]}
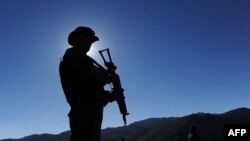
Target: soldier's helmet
{"points": [[84, 32]]}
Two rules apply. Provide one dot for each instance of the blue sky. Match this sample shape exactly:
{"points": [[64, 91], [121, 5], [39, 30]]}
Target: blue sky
{"points": [[175, 57]]}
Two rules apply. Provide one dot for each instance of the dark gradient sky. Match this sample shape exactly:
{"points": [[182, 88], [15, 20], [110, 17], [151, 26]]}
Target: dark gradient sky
{"points": [[175, 57]]}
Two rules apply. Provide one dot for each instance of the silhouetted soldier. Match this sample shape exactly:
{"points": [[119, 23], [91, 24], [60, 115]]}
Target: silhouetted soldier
{"points": [[83, 83], [192, 136]]}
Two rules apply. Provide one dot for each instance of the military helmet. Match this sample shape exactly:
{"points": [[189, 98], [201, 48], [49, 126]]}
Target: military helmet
{"points": [[84, 32]]}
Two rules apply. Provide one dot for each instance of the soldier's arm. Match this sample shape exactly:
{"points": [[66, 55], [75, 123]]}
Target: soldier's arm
{"points": [[86, 68]]}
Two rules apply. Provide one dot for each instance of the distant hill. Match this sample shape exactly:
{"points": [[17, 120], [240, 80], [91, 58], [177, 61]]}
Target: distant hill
{"points": [[209, 128]]}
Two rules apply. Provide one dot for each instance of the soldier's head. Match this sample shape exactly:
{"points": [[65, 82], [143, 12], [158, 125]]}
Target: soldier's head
{"points": [[82, 37]]}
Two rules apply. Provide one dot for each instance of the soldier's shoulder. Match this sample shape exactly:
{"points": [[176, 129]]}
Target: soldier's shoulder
{"points": [[72, 53]]}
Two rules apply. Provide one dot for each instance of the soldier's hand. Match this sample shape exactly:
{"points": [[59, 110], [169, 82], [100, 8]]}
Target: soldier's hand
{"points": [[116, 95]]}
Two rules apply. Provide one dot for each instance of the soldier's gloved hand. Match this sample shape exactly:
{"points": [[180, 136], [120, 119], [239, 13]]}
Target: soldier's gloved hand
{"points": [[116, 95], [106, 98], [111, 96]]}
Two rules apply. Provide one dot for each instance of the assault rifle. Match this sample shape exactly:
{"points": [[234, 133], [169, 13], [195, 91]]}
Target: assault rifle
{"points": [[117, 87]]}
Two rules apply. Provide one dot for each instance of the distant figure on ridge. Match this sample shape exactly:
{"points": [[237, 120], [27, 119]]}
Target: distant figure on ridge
{"points": [[83, 82], [192, 136]]}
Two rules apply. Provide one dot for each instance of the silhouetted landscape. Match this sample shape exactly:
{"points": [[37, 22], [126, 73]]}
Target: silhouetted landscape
{"points": [[209, 128]]}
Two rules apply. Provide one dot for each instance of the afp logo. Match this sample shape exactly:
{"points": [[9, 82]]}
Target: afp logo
{"points": [[233, 132]]}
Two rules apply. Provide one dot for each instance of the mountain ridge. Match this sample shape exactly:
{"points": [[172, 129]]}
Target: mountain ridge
{"points": [[209, 127]]}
